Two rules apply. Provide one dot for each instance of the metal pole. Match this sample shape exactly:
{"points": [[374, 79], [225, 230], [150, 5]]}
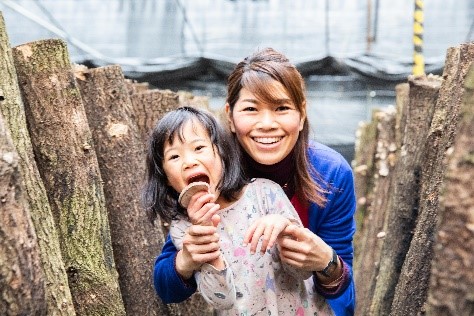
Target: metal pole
{"points": [[369, 26], [418, 59], [326, 21]]}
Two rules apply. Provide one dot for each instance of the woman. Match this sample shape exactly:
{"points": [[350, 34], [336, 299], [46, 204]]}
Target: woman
{"points": [[266, 109]]}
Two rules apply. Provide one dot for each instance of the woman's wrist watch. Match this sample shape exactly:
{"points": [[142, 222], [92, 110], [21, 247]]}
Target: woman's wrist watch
{"points": [[332, 265]]}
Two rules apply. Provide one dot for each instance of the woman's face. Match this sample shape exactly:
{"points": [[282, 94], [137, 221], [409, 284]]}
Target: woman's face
{"points": [[267, 132]]}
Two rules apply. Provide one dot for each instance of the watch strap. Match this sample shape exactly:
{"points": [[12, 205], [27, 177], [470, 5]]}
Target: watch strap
{"points": [[332, 262]]}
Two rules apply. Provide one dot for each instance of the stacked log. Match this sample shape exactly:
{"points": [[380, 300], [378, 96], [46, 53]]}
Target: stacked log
{"points": [[392, 273], [149, 105], [72, 165], [64, 151], [371, 232], [412, 287], [451, 286], [58, 295], [22, 286], [119, 148], [403, 199]]}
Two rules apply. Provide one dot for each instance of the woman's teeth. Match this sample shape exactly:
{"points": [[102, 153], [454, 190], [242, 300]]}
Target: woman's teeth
{"points": [[267, 140]]}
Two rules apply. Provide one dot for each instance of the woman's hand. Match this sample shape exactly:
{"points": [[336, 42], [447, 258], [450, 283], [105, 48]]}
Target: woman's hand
{"points": [[303, 249], [200, 245], [269, 226]]}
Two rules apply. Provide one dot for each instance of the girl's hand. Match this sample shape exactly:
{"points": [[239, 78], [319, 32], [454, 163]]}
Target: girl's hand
{"points": [[202, 210], [269, 226], [303, 249], [200, 245]]}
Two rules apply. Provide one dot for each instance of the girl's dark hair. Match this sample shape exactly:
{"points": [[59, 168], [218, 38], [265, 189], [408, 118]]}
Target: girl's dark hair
{"points": [[256, 73], [161, 199]]}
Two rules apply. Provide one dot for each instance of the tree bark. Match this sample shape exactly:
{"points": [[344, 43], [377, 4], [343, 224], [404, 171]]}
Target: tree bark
{"points": [[451, 287], [364, 166], [150, 106], [21, 278], [371, 235], [402, 99], [67, 162], [412, 288], [58, 295], [119, 148], [403, 202], [135, 87]]}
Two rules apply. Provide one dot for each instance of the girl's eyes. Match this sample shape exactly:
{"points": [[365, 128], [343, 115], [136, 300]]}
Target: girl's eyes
{"points": [[172, 157], [197, 148]]}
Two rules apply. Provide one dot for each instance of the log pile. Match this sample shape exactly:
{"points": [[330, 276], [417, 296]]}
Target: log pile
{"points": [[399, 166], [75, 239], [71, 173]]}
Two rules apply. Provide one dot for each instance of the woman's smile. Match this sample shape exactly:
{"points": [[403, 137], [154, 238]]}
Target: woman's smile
{"points": [[267, 140]]}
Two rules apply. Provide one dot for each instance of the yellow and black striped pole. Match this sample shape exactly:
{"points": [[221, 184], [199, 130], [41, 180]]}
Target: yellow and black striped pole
{"points": [[418, 59]]}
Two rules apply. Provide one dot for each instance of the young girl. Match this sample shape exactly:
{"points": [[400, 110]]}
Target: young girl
{"points": [[188, 145]]}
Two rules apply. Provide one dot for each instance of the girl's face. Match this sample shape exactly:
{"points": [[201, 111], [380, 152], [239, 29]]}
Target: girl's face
{"points": [[267, 132], [193, 159]]}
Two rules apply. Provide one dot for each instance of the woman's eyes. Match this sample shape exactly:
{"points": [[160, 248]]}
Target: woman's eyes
{"points": [[279, 108], [250, 109], [283, 108]]}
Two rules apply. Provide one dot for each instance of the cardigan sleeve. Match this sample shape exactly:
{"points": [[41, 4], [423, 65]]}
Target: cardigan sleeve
{"points": [[169, 285], [335, 223]]}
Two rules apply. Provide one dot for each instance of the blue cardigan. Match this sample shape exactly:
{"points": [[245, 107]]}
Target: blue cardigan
{"points": [[334, 223]]}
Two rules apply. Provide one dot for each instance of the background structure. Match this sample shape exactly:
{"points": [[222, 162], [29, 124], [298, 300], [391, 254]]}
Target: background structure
{"points": [[352, 53]]}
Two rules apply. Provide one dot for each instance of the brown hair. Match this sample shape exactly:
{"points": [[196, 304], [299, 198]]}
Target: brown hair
{"points": [[256, 73]]}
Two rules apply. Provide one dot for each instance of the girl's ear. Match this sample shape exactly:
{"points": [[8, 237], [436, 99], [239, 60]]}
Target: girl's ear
{"points": [[303, 115], [230, 120]]}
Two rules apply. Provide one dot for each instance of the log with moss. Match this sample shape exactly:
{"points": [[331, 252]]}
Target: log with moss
{"points": [[22, 285], [67, 162], [119, 148], [58, 295]]}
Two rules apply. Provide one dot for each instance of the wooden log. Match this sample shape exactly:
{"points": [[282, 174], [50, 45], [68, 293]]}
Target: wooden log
{"points": [[451, 287], [136, 87], [371, 234], [58, 295], [363, 166], [22, 285], [150, 106], [402, 99], [403, 201], [412, 288], [67, 162], [119, 149], [187, 98]]}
